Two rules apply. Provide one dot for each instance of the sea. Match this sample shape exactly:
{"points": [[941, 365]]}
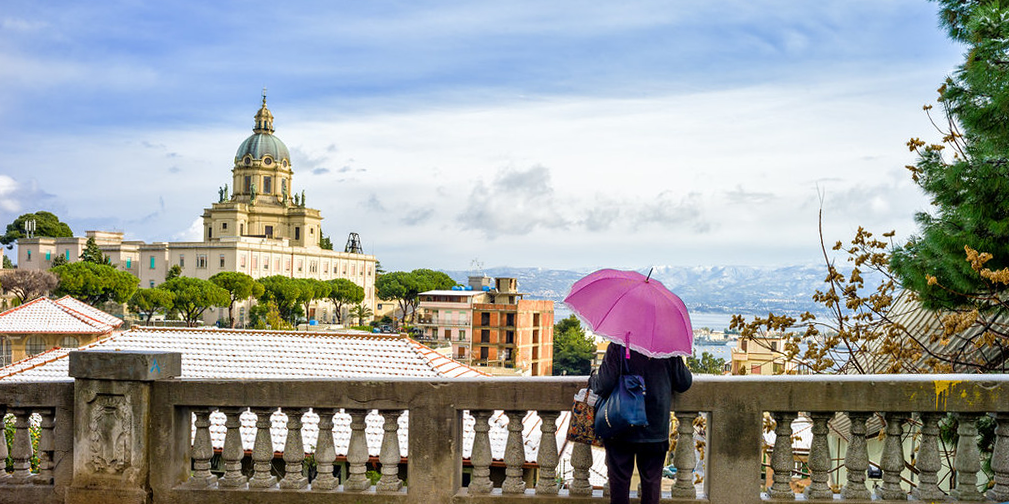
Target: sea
{"points": [[713, 321]]}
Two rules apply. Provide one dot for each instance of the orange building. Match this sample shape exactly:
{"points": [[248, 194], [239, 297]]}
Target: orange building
{"points": [[491, 325]]}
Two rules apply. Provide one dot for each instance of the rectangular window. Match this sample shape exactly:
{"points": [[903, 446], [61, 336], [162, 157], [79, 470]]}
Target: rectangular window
{"points": [[510, 319], [29, 255], [536, 320], [152, 262], [129, 263], [297, 233], [269, 232], [485, 319], [255, 262], [222, 260], [201, 261], [267, 185], [276, 265], [210, 232], [510, 337], [300, 264], [182, 261], [448, 334], [241, 261], [483, 353], [462, 335], [224, 225], [484, 336], [66, 255], [49, 255], [248, 183]]}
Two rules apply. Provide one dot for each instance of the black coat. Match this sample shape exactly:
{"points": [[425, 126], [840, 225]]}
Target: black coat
{"points": [[663, 376]]}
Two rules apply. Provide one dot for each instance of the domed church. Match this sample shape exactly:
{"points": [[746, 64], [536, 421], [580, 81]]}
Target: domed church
{"points": [[259, 225]]}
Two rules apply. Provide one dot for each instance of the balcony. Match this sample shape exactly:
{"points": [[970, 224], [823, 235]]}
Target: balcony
{"points": [[117, 434]]}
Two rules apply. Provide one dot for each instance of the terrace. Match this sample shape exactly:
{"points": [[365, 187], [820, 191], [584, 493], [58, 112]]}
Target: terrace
{"points": [[123, 431]]}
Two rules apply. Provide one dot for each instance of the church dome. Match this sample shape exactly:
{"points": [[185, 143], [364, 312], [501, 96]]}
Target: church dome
{"points": [[260, 145], [263, 144]]}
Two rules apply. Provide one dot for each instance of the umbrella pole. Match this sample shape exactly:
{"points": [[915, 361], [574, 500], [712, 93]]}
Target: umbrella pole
{"points": [[649, 274]]}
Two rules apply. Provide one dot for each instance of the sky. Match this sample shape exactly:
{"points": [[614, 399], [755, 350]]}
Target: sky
{"points": [[563, 134]]}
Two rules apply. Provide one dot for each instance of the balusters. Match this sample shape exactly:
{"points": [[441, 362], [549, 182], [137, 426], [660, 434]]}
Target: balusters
{"points": [[21, 447], [47, 443], [856, 460], [480, 455], [581, 462], [928, 462], [233, 452], [781, 459], [357, 453], [390, 455], [546, 458], [202, 451], [968, 459], [819, 459], [325, 452], [684, 458], [514, 456], [262, 450], [1000, 459], [892, 460], [294, 451]]}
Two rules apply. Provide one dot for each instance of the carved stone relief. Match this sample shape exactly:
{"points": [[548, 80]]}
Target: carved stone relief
{"points": [[110, 433]]}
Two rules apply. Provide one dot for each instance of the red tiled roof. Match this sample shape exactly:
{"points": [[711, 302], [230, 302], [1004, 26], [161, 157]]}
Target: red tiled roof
{"points": [[43, 315]]}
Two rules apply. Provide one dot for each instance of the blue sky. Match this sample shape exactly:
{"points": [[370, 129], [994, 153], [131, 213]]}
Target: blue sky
{"points": [[554, 134]]}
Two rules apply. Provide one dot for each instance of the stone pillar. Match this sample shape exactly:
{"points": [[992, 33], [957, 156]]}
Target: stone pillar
{"points": [[203, 451], [856, 459], [21, 448], [782, 461], [684, 458], [357, 453], [47, 445], [112, 421], [294, 451], [262, 450], [515, 455], [480, 456], [1000, 459], [546, 457], [4, 477], [581, 462], [892, 461], [325, 452], [233, 451], [389, 455], [968, 459], [819, 460], [928, 461]]}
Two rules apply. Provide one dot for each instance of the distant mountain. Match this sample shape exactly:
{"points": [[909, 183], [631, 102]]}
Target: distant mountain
{"points": [[710, 289]]}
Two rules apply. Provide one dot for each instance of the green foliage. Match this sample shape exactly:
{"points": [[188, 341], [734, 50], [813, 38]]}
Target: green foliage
{"points": [[93, 254], [147, 302], [286, 294], [59, 260], [34, 431], [265, 315], [95, 284], [344, 292], [966, 175], [7, 261], [46, 224], [174, 272], [707, 364], [573, 350], [405, 287], [193, 296], [325, 243], [311, 290], [239, 286], [360, 312]]}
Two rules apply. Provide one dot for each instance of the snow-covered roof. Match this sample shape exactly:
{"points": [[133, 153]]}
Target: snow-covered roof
{"points": [[253, 354], [62, 316]]}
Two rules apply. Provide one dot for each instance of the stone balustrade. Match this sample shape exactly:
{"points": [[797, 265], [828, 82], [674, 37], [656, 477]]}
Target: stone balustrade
{"points": [[143, 438]]}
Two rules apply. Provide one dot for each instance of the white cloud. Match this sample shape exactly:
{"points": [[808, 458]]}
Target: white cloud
{"points": [[8, 188]]}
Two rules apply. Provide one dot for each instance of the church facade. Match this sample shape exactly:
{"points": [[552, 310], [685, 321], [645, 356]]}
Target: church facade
{"points": [[259, 226]]}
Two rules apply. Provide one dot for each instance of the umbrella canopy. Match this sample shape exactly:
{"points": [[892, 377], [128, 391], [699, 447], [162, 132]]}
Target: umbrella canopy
{"points": [[633, 310]]}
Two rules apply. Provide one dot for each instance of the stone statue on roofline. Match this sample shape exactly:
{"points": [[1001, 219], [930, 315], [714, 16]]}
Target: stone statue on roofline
{"points": [[252, 194], [302, 199], [225, 193], [283, 192], [296, 200]]}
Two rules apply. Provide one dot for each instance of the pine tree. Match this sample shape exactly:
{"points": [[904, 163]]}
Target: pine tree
{"points": [[967, 175]]}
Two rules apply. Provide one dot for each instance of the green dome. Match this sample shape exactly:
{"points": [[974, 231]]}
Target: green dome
{"points": [[260, 145]]}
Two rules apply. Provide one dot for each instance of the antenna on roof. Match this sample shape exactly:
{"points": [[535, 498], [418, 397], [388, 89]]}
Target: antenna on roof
{"points": [[476, 267], [353, 244]]}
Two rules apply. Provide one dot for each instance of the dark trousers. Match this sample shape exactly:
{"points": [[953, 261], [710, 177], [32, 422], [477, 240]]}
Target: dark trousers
{"points": [[620, 457]]}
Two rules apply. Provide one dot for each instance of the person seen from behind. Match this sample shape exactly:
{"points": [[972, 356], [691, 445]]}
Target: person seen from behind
{"points": [[649, 444]]}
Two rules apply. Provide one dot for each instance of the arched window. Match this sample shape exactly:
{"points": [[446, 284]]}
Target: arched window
{"points": [[35, 345], [5, 351], [69, 342]]}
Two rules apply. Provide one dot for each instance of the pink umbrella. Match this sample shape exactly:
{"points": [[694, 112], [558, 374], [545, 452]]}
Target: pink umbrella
{"points": [[629, 308]]}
